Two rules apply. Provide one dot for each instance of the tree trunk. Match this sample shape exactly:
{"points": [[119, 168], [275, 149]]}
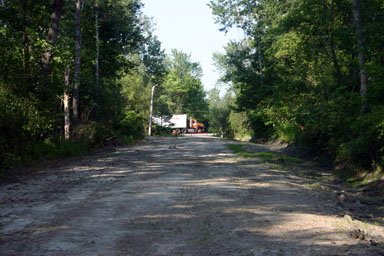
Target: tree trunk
{"points": [[331, 39], [25, 50], [325, 88], [334, 57], [67, 120], [260, 61], [51, 41], [359, 32], [75, 100], [97, 76]]}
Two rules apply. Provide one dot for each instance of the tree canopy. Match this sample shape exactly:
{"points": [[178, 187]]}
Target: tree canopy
{"points": [[37, 43], [299, 73], [182, 91]]}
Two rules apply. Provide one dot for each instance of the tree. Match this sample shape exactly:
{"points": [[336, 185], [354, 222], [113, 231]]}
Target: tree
{"points": [[31, 115], [75, 99], [67, 118], [97, 60], [150, 70], [153, 57], [219, 111], [245, 15], [359, 36], [315, 57], [182, 89], [51, 40]]}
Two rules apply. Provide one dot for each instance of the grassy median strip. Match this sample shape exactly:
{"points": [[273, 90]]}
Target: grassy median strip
{"points": [[239, 149]]}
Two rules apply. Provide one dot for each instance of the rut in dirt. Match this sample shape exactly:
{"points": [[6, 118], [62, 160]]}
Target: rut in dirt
{"points": [[175, 196]]}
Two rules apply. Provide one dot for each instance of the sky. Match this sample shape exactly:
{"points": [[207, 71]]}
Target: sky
{"points": [[188, 25]]}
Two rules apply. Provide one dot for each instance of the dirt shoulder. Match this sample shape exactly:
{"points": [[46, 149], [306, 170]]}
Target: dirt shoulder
{"points": [[362, 202], [178, 196]]}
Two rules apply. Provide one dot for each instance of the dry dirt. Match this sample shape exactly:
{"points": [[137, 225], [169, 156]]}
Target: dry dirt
{"points": [[177, 196]]}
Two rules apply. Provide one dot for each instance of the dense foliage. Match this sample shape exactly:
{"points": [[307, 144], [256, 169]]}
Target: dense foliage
{"points": [[79, 74], [310, 72], [37, 43], [182, 90]]}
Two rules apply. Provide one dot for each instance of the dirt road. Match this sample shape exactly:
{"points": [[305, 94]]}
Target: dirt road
{"points": [[175, 196]]}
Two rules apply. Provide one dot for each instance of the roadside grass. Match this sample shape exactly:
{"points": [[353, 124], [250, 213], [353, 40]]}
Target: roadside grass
{"points": [[370, 182], [267, 156], [37, 154], [367, 187], [303, 169], [365, 179], [289, 166]]}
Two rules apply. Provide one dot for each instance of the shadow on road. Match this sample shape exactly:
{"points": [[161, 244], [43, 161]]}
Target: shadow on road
{"points": [[179, 196]]}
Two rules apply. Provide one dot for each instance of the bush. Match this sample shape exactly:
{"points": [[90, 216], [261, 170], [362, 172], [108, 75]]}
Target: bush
{"points": [[92, 133], [239, 124], [161, 131], [366, 145], [261, 125], [21, 123], [288, 132], [50, 149], [130, 128]]}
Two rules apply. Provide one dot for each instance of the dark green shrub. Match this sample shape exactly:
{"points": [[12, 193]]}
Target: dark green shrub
{"points": [[366, 147], [288, 132], [161, 131], [130, 128], [92, 133], [50, 149], [261, 125], [21, 123]]}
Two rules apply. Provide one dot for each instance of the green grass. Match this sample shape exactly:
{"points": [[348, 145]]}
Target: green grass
{"points": [[36, 151], [365, 179], [291, 165], [50, 149], [236, 148], [267, 156]]}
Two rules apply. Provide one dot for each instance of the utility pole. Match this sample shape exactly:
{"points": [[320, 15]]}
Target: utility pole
{"points": [[150, 112]]}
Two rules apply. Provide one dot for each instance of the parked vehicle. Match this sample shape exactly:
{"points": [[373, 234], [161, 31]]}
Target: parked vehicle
{"points": [[180, 123]]}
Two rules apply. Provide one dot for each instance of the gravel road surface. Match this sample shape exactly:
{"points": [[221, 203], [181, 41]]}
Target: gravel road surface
{"points": [[175, 196]]}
